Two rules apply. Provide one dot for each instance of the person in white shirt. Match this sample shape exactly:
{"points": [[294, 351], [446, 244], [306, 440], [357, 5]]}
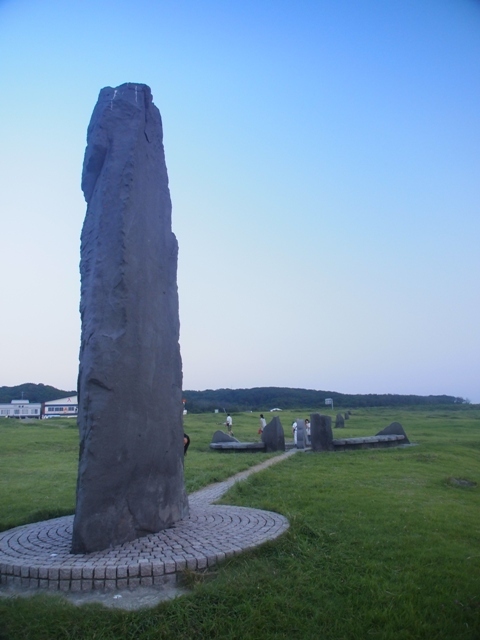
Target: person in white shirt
{"points": [[263, 423], [307, 431], [228, 424]]}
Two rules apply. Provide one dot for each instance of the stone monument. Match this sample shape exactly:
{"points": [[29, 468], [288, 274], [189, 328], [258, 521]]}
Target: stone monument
{"points": [[221, 436], [130, 476], [321, 432], [300, 433], [273, 436], [339, 421], [394, 428]]}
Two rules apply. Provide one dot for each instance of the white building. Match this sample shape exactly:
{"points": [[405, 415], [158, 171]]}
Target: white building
{"points": [[62, 408], [21, 409]]}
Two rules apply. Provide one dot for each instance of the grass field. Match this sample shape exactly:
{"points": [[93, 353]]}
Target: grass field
{"points": [[383, 544]]}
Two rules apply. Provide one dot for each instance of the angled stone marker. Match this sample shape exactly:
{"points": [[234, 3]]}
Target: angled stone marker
{"points": [[130, 475], [221, 436], [273, 435], [394, 428], [339, 421]]}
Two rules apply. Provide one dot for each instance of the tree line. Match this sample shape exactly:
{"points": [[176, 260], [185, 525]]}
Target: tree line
{"points": [[33, 393], [265, 398], [256, 399]]}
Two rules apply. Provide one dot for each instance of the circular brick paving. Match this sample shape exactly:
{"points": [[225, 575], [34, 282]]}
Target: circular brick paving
{"points": [[38, 555]]}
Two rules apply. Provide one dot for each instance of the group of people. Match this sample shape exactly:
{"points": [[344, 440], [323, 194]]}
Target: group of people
{"points": [[263, 423]]}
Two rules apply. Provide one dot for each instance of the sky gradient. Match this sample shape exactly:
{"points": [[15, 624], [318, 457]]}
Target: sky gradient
{"points": [[324, 172]]}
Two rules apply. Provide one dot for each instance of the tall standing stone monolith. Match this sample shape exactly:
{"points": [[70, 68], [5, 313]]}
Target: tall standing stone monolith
{"points": [[130, 476]]}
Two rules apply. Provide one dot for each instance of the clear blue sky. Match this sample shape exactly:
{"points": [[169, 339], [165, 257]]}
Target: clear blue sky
{"points": [[324, 164]]}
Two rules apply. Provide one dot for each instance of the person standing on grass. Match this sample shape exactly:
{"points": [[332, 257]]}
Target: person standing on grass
{"points": [[263, 423], [307, 430], [294, 431], [228, 424]]}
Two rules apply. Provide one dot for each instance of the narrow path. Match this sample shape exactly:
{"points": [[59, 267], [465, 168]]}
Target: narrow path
{"points": [[208, 495]]}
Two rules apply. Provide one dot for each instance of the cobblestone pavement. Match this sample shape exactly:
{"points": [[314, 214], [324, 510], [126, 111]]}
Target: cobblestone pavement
{"points": [[38, 555]]}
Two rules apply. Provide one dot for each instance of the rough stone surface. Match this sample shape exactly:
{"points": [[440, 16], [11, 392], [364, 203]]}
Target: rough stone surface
{"points": [[321, 432], [339, 421], [221, 436], [237, 446], [368, 442], [394, 428], [273, 436], [130, 477], [347, 415], [300, 433]]}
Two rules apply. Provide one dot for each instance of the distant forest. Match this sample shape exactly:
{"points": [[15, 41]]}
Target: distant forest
{"points": [[266, 398], [258, 399], [33, 393]]}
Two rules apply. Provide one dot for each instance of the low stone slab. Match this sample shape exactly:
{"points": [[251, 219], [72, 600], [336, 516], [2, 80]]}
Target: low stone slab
{"points": [[368, 439], [368, 442], [238, 446]]}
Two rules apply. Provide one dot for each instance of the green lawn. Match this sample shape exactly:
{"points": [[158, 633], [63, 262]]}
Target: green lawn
{"points": [[383, 543], [38, 463]]}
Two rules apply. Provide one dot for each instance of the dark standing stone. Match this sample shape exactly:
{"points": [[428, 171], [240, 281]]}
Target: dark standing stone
{"points": [[394, 429], [273, 436], [130, 475], [321, 432], [300, 433], [346, 415], [339, 421], [221, 436]]}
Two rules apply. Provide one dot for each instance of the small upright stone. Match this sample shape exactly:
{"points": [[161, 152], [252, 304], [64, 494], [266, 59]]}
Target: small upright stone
{"points": [[339, 421], [273, 436], [321, 432], [130, 472]]}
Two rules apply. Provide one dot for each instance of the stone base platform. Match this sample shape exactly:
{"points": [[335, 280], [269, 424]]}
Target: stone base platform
{"points": [[38, 555]]}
